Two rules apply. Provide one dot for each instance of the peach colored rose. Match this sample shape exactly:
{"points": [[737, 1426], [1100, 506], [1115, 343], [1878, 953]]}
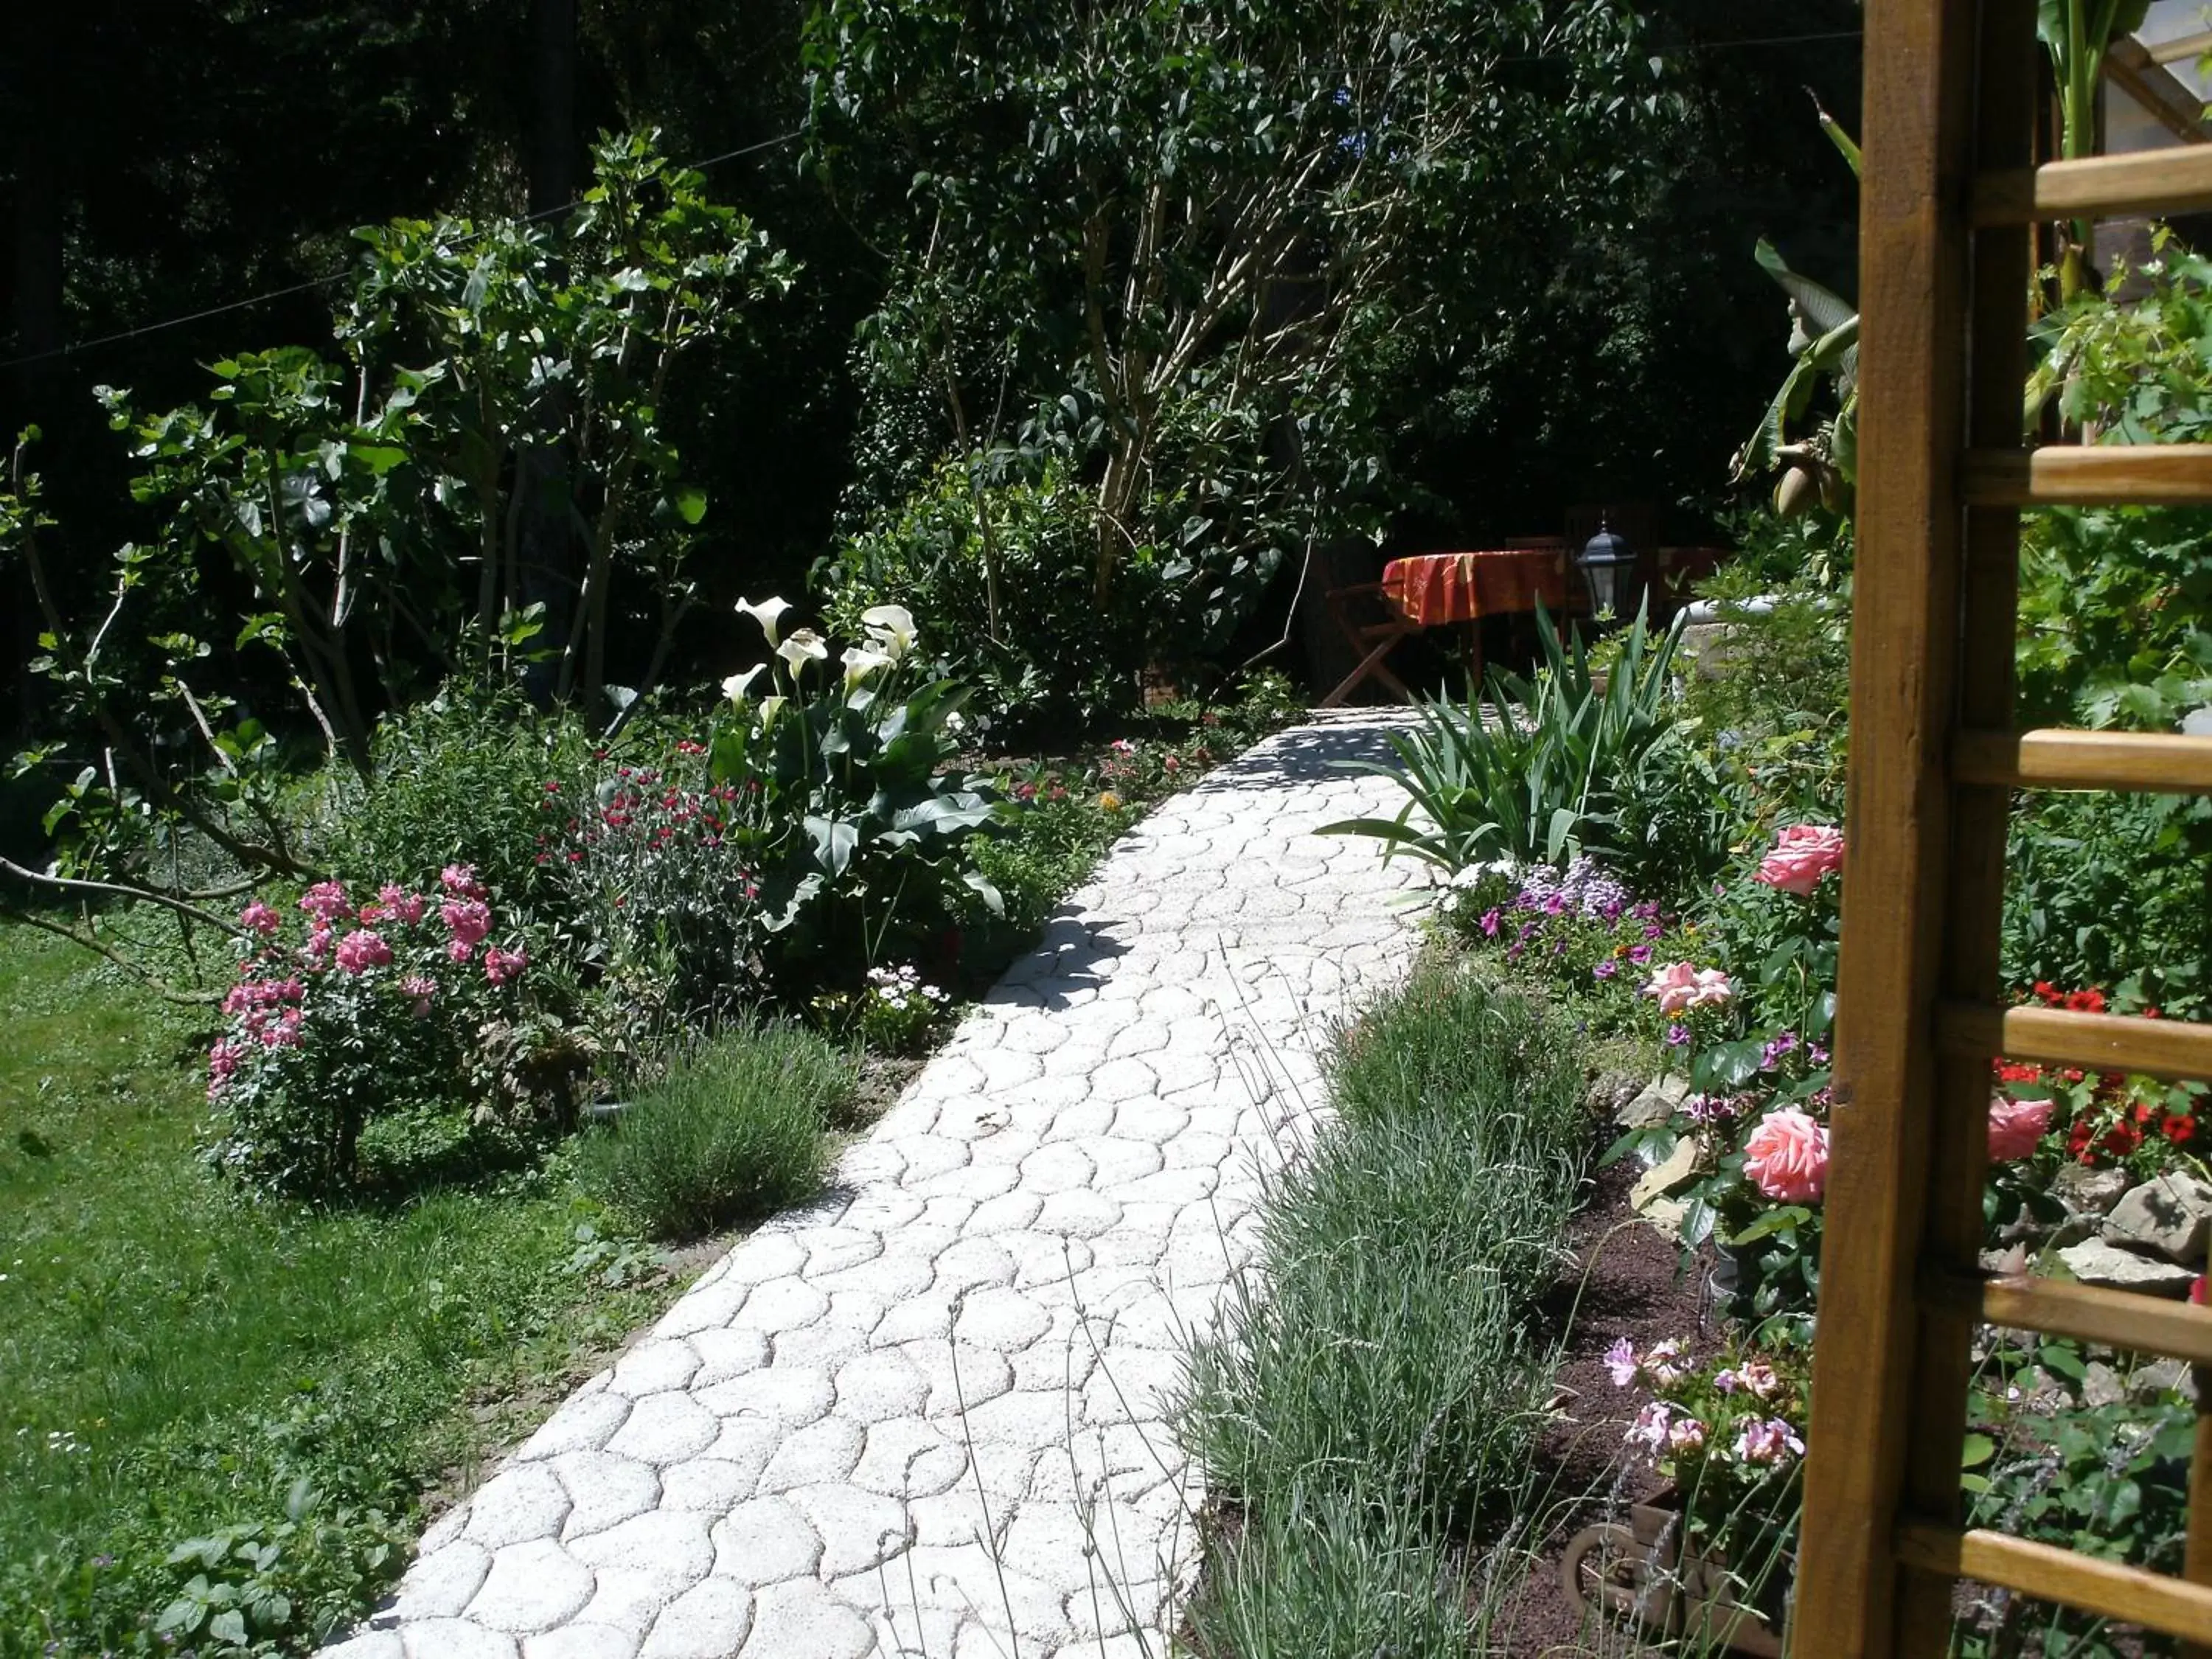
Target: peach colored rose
{"points": [[2014, 1128], [1802, 854], [1680, 986], [1787, 1157]]}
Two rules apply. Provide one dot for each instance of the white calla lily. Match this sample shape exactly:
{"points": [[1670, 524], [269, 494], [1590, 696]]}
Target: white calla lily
{"points": [[766, 612], [861, 662], [770, 708], [738, 687], [805, 645], [890, 628]]}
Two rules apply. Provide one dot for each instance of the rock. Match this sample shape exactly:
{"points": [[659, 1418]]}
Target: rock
{"points": [[2073, 1231], [1677, 1167], [2090, 1192], [2101, 1385], [2159, 1377], [1610, 1093], [2095, 1262], [1657, 1104], [2169, 1216], [2006, 1263]]}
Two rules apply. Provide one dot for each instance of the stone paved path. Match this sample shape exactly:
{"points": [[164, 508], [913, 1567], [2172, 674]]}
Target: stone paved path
{"points": [[925, 1414]]}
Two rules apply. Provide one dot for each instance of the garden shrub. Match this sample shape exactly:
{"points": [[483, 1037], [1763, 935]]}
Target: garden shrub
{"points": [[1056, 661], [732, 1132], [377, 1011], [2112, 890], [1390, 1358]]}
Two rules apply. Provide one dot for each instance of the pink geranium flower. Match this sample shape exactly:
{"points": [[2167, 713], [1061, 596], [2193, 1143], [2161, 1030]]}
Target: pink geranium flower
{"points": [[1649, 1430], [260, 918], [1686, 1434], [1620, 1363], [467, 919], [1681, 986], [2016, 1127], [361, 950], [398, 902], [326, 902], [1787, 1157], [1770, 1442], [1802, 853]]}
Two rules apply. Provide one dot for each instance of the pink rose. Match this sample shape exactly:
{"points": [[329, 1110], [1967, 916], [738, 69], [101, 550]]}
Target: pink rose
{"points": [[1680, 986], [260, 918], [1787, 1157], [361, 950], [460, 880], [501, 966], [2015, 1125], [1802, 854], [460, 949]]}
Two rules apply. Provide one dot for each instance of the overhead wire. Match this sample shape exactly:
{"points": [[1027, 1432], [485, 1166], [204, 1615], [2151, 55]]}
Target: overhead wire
{"points": [[325, 280]]}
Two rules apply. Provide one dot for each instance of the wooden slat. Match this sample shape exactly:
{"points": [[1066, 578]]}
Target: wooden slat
{"points": [[2090, 474], [1917, 118], [2059, 758], [2187, 45], [2089, 1313], [2095, 1042], [2051, 1574], [2159, 182]]}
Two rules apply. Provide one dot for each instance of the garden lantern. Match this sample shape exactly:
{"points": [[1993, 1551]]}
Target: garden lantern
{"points": [[1608, 566]]}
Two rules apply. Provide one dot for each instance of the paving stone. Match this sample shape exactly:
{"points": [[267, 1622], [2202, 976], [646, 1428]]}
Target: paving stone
{"points": [[454, 1638], [820, 1452], [580, 1639], [444, 1581], [604, 1487], [710, 1620], [791, 1396], [712, 1485], [531, 1586], [369, 1645], [801, 1619], [653, 1366], [525, 1502], [878, 1386], [674, 1545], [909, 1458], [765, 1542], [587, 1423], [666, 1428]]}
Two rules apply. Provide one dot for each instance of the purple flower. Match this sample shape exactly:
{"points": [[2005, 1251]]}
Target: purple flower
{"points": [[1606, 969], [1620, 1363], [1727, 1382], [1639, 954], [1652, 930], [1491, 920], [1816, 1054], [1782, 1044], [1677, 1034], [1770, 1442]]}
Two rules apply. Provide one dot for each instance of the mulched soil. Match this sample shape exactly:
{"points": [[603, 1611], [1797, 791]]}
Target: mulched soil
{"points": [[1623, 1279]]}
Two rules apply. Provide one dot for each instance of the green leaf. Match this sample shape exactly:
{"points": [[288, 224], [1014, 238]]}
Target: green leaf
{"points": [[1778, 1219], [689, 501], [1977, 1450]]}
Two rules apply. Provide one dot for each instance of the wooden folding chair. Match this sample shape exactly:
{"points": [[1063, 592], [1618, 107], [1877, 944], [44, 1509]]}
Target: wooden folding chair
{"points": [[1373, 626]]}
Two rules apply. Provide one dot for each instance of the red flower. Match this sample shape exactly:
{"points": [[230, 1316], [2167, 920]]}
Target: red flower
{"points": [[2196, 1291], [2048, 992], [2178, 1127], [2085, 1002]]}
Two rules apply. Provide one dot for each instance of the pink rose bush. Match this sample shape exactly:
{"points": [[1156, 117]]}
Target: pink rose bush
{"points": [[1802, 855], [364, 1009]]}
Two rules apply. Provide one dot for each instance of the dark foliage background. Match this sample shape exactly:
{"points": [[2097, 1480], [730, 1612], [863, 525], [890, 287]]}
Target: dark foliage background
{"points": [[161, 162]]}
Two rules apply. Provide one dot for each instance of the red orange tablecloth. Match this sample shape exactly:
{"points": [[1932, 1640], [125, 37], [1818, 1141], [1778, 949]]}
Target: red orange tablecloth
{"points": [[1434, 588]]}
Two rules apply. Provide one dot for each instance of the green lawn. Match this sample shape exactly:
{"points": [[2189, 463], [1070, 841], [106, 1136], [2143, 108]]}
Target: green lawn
{"points": [[174, 1360]]}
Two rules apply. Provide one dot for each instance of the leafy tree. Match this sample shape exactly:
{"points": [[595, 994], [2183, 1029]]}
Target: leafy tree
{"points": [[1166, 231]]}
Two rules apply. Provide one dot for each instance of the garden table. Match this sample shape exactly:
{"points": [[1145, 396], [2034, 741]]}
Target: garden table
{"points": [[1436, 590]]}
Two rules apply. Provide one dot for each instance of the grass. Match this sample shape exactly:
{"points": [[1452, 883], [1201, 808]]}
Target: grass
{"points": [[179, 1360], [1382, 1392], [731, 1133]]}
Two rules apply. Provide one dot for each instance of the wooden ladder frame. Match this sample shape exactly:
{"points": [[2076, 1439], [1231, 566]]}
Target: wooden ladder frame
{"points": [[1949, 199]]}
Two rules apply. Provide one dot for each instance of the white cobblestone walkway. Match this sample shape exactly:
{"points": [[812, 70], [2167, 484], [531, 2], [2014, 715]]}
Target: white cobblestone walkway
{"points": [[925, 1414]]}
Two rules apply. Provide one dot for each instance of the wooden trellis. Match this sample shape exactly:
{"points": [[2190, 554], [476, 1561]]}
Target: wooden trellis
{"points": [[1949, 195]]}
